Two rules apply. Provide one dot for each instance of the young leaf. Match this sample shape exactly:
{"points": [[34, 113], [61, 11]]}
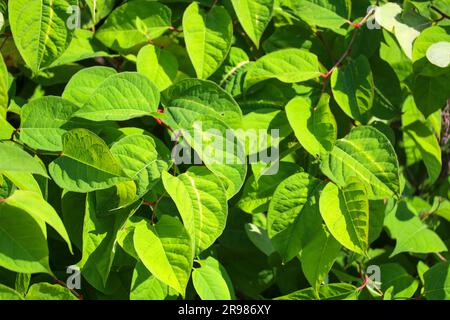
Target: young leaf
{"points": [[166, 250], [346, 214], [208, 37]]}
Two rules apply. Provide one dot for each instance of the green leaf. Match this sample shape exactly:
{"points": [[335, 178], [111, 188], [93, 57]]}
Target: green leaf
{"points": [[134, 23], [411, 233], [293, 217], [141, 160], [40, 31], [437, 282], [201, 200], [85, 82], [318, 256], [44, 120], [22, 283], [429, 53], [426, 142], [6, 293], [145, 286], [166, 250], [12, 158], [346, 214], [257, 193], [397, 280], [314, 125], [188, 99], [260, 238], [86, 163], [99, 240], [39, 209], [121, 96], [211, 281], [286, 65], [367, 154], [254, 16], [319, 13], [159, 65], [4, 86], [23, 181], [46, 291], [208, 37], [23, 241], [353, 88], [332, 291], [82, 46], [430, 93]]}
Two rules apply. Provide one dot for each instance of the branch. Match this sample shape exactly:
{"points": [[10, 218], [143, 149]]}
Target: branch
{"points": [[344, 56], [443, 15]]}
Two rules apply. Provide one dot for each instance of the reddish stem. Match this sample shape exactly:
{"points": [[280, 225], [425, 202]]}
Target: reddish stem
{"points": [[366, 281]]}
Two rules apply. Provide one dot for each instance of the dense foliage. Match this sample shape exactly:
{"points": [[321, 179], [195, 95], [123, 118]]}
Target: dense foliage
{"points": [[335, 186]]}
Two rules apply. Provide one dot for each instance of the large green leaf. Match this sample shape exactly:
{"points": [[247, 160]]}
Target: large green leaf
{"points": [[134, 23], [39, 209], [367, 154], [99, 241], [121, 96], [145, 286], [44, 120], [83, 84], [211, 281], [346, 214], [40, 31], [353, 88], [12, 158], [189, 99], [428, 145], [166, 250], [321, 13], [159, 65], [201, 200], [23, 241], [314, 125], [437, 282], [86, 163], [6, 293], [287, 65], [254, 16], [47, 291], [141, 160], [318, 256], [293, 217], [411, 233], [396, 280], [208, 37]]}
